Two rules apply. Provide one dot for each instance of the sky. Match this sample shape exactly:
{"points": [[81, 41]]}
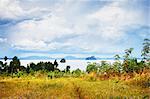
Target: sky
{"points": [[80, 28]]}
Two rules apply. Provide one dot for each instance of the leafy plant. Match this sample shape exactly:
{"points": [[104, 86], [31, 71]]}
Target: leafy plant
{"points": [[146, 49], [92, 67]]}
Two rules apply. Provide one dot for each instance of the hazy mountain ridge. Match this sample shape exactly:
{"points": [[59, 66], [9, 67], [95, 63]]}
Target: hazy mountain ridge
{"points": [[66, 57]]}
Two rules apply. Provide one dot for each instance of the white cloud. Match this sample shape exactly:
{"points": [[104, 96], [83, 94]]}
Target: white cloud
{"points": [[114, 19], [69, 30], [12, 9], [3, 40]]}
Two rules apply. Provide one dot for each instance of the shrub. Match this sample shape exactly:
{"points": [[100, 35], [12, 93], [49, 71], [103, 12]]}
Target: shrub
{"points": [[92, 67], [105, 67], [58, 74], [77, 73], [142, 80], [117, 67], [50, 75], [40, 74]]}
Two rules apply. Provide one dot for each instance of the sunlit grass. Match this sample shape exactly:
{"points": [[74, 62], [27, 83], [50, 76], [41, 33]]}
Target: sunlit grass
{"points": [[67, 88]]}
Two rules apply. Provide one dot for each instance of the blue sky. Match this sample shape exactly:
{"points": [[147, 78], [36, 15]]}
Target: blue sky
{"points": [[81, 28]]}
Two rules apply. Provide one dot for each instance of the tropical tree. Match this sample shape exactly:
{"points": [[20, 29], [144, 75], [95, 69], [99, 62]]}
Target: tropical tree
{"points": [[130, 64], [28, 69], [33, 66], [1, 65], [49, 66], [128, 53], [67, 68], [146, 49], [105, 67], [55, 63], [117, 66], [14, 64]]}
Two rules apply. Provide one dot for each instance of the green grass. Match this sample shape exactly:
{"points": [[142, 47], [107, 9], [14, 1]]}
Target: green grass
{"points": [[68, 88]]}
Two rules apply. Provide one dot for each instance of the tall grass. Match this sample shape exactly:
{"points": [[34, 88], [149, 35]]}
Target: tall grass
{"points": [[67, 88]]}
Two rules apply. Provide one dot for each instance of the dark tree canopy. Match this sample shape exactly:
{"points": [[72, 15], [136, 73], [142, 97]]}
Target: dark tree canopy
{"points": [[67, 68], [63, 60], [55, 63]]}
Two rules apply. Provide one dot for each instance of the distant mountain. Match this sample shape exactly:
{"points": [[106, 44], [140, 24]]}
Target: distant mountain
{"points": [[36, 58], [91, 58], [46, 58], [70, 57], [66, 58], [73, 58]]}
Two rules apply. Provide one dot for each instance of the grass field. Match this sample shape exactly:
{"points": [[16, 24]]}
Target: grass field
{"points": [[69, 88]]}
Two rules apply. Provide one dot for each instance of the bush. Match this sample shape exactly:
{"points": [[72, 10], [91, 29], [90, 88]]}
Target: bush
{"points": [[18, 74], [142, 80], [58, 74], [40, 74], [77, 73], [105, 67], [117, 67], [92, 67], [50, 75]]}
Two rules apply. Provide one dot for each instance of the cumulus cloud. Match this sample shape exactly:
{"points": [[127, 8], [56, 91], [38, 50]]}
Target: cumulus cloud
{"points": [[12, 10], [68, 29]]}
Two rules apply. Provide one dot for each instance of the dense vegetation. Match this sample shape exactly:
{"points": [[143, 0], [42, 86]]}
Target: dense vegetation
{"points": [[129, 65], [98, 80]]}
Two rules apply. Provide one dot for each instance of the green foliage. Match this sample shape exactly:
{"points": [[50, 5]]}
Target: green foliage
{"points": [[55, 64], [50, 75], [117, 57], [92, 67], [146, 49], [128, 53], [28, 69], [58, 74], [14, 64], [130, 65], [1, 66], [117, 67], [104, 67], [19, 74], [48, 66], [67, 68], [32, 72], [77, 73]]}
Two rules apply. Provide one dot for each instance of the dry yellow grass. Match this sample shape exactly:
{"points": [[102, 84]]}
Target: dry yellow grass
{"points": [[67, 88]]}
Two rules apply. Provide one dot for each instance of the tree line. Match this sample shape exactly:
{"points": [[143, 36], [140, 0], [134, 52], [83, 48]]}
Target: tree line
{"points": [[130, 64]]}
